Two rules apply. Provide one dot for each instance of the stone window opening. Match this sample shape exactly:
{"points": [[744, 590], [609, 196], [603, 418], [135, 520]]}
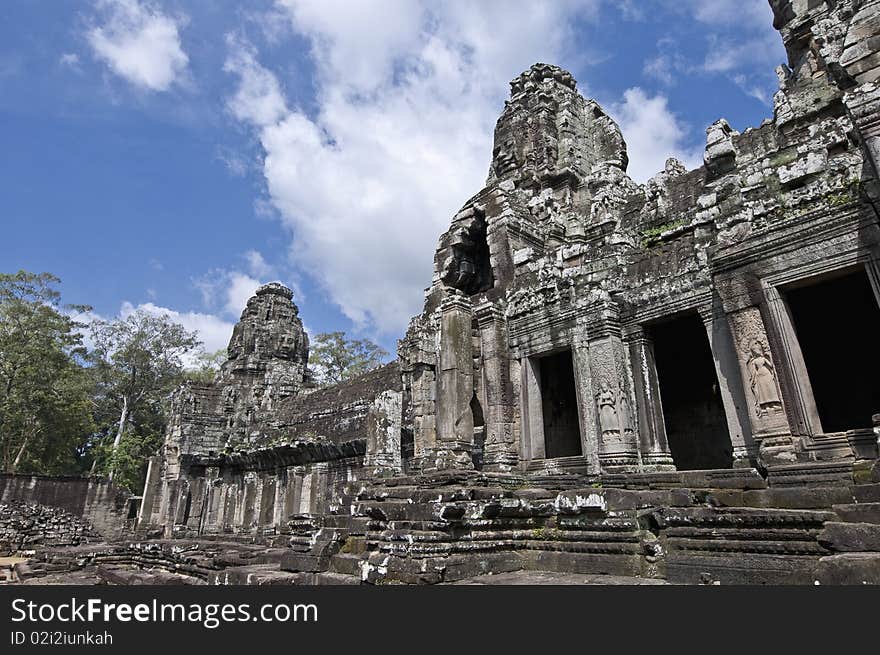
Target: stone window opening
{"points": [[837, 322], [690, 396]]}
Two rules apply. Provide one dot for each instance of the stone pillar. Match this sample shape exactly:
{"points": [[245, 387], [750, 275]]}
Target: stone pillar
{"points": [[278, 513], [730, 376], [152, 491], [863, 106], [653, 445], [584, 390], [611, 391], [455, 421], [533, 445], [384, 423], [500, 452], [774, 379], [211, 511], [799, 404], [873, 269]]}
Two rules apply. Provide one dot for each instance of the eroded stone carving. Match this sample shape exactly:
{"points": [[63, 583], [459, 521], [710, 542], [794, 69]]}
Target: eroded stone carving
{"points": [[762, 380]]}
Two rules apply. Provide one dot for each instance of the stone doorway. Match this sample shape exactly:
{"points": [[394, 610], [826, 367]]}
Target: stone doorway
{"points": [[693, 412], [837, 323], [559, 408]]}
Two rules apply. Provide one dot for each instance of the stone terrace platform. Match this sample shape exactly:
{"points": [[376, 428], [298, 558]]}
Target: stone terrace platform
{"points": [[699, 527]]}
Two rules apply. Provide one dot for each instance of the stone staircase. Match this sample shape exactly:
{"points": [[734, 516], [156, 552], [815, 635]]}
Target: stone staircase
{"points": [[424, 534], [441, 529], [854, 540]]}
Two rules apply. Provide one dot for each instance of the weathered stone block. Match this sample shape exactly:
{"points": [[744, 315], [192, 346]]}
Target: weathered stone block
{"points": [[850, 537]]}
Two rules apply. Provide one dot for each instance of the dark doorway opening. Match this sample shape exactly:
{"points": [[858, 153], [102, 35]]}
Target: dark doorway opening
{"points": [[696, 425], [562, 435], [837, 322]]}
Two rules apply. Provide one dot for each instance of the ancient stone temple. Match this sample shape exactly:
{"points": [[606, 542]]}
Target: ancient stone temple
{"points": [[673, 380]]}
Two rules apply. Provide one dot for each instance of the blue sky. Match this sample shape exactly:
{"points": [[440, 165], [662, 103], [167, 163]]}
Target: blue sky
{"points": [[172, 155]]}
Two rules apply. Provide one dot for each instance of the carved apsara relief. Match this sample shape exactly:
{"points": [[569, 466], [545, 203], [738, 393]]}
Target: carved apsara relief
{"points": [[760, 376]]}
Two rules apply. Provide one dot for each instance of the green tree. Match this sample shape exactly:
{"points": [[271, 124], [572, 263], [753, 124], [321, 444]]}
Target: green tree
{"points": [[137, 362], [334, 358], [206, 366], [45, 406]]}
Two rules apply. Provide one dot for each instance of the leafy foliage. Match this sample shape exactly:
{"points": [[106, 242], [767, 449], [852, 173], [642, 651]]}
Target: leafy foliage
{"points": [[136, 362], [334, 358], [206, 366], [45, 405]]}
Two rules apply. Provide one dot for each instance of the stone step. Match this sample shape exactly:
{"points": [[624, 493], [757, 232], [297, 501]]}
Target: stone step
{"points": [[858, 512], [742, 517], [333, 578], [397, 510], [849, 569], [346, 563], [867, 493], [851, 537]]}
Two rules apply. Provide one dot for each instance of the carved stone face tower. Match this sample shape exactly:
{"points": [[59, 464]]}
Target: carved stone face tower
{"points": [[268, 344], [267, 362], [548, 129], [268, 355]]}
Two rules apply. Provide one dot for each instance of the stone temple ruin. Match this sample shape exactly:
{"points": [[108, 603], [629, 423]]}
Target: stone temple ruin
{"points": [[673, 380]]}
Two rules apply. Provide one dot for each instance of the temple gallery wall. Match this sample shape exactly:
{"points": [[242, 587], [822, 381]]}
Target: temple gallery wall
{"points": [[673, 379]]}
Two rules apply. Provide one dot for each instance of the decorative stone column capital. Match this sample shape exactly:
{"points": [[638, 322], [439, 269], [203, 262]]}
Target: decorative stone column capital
{"points": [[487, 313], [456, 301]]}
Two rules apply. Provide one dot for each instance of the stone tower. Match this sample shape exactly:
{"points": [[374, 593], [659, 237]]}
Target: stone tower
{"points": [[267, 362]]}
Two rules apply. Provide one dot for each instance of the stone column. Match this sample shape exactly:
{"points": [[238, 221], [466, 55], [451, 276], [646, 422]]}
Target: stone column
{"points": [[423, 391], [384, 422], [152, 492], [533, 446], [210, 511], [863, 106], [873, 269], [611, 388], [799, 406], [500, 452], [455, 421], [653, 445], [584, 390], [729, 375], [774, 379]]}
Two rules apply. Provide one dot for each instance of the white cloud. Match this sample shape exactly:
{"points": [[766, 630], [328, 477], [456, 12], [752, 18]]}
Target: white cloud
{"points": [[257, 265], [213, 331], [402, 135], [140, 43], [652, 132], [742, 35], [69, 59], [259, 98], [228, 291], [660, 68], [732, 13]]}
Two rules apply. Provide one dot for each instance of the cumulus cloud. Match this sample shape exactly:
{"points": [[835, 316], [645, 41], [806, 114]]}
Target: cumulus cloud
{"points": [[213, 331], [402, 135], [259, 99], [140, 43], [228, 291], [652, 131], [257, 264]]}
